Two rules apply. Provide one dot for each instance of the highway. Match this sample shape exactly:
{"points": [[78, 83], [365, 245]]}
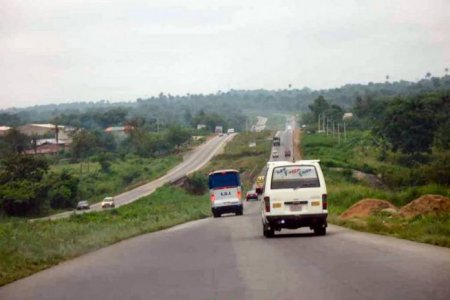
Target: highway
{"points": [[192, 162], [228, 258]]}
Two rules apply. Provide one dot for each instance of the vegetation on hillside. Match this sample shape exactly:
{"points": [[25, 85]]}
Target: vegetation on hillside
{"points": [[395, 181]]}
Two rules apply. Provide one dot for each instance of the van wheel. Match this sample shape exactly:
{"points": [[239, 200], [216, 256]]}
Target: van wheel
{"points": [[267, 231], [216, 215], [240, 212], [320, 231]]}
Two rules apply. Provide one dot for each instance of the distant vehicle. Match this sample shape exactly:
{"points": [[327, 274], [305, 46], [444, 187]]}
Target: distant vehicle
{"points": [[275, 154], [259, 185], [83, 205], [251, 195], [276, 139], [230, 130], [219, 129], [225, 192], [294, 196], [287, 152], [108, 202]]}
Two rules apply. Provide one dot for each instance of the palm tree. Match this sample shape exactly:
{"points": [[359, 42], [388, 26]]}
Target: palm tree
{"points": [[387, 78], [446, 71], [428, 75]]}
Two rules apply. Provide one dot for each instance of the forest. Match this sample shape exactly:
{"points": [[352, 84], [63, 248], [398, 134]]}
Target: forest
{"points": [[408, 117]]}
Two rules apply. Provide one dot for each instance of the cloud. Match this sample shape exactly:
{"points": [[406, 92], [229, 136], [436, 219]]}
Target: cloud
{"points": [[53, 51]]}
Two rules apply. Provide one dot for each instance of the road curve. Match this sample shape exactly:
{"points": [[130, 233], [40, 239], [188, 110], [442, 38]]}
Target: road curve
{"points": [[194, 161], [228, 258]]}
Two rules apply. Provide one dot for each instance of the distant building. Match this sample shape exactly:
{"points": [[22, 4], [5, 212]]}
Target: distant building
{"points": [[46, 148], [201, 126], [119, 132], [4, 130], [61, 132], [347, 116]]}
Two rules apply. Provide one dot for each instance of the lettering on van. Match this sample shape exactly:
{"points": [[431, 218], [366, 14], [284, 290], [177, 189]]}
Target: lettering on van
{"points": [[282, 173]]}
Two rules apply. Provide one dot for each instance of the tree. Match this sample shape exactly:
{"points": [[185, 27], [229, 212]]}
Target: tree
{"points": [[177, 135], [319, 106], [83, 142], [16, 142], [22, 191], [62, 189], [409, 126]]}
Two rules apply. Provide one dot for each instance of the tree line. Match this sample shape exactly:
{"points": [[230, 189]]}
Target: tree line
{"points": [[411, 124]]}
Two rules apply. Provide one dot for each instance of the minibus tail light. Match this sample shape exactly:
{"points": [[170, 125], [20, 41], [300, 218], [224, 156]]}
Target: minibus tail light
{"points": [[324, 201], [212, 197], [239, 195], [267, 203]]}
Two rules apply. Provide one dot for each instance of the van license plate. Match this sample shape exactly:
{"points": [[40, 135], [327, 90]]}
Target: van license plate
{"points": [[296, 207]]}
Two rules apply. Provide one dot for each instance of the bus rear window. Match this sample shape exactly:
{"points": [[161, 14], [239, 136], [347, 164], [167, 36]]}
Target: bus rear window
{"points": [[226, 179], [292, 177]]}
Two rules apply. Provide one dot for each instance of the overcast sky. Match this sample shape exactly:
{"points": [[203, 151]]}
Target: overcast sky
{"points": [[54, 51]]}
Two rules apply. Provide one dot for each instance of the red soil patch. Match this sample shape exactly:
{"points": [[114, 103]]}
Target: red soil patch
{"points": [[425, 205], [365, 208]]}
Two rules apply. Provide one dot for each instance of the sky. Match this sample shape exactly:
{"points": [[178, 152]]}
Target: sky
{"points": [[120, 50]]}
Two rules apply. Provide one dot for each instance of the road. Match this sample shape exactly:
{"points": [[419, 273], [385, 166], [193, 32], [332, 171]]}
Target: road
{"points": [[194, 160], [286, 141], [228, 258], [260, 124]]}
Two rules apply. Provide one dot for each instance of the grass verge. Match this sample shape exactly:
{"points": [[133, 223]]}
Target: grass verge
{"points": [[238, 155], [26, 248], [124, 174], [401, 187]]}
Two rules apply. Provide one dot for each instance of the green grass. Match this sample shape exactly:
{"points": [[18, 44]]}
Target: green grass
{"points": [[124, 175], [400, 188], [26, 248], [237, 155]]}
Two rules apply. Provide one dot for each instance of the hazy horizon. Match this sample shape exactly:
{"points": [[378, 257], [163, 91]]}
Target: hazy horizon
{"points": [[73, 51]]}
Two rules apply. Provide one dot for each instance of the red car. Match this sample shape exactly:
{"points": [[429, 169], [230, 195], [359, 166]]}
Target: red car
{"points": [[251, 195], [287, 153]]}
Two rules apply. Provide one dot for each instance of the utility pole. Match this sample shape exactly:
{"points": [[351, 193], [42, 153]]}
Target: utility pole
{"points": [[318, 124], [338, 134], [324, 118], [345, 132]]}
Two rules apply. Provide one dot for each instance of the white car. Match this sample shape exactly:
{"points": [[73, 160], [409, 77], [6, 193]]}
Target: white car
{"points": [[275, 154], [294, 196], [108, 202]]}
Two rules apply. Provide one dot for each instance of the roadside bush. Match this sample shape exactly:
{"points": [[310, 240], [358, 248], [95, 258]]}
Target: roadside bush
{"points": [[63, 189], [198, 183]]}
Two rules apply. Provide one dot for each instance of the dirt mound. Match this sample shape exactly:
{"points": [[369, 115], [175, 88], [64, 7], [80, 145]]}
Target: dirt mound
{"points": [[366, 207], [426, 204]]}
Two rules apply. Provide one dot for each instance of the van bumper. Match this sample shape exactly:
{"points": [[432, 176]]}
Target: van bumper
{"points": [[227, 209], [297, 221]]}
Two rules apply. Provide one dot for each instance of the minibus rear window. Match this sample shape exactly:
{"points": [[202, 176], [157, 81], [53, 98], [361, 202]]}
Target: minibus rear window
{"points": [[225, 179], [293, 177]]}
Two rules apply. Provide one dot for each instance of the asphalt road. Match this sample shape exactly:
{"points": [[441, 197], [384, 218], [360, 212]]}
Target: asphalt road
{"points": [[193, 161], [228, 258], [286, 142]]}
